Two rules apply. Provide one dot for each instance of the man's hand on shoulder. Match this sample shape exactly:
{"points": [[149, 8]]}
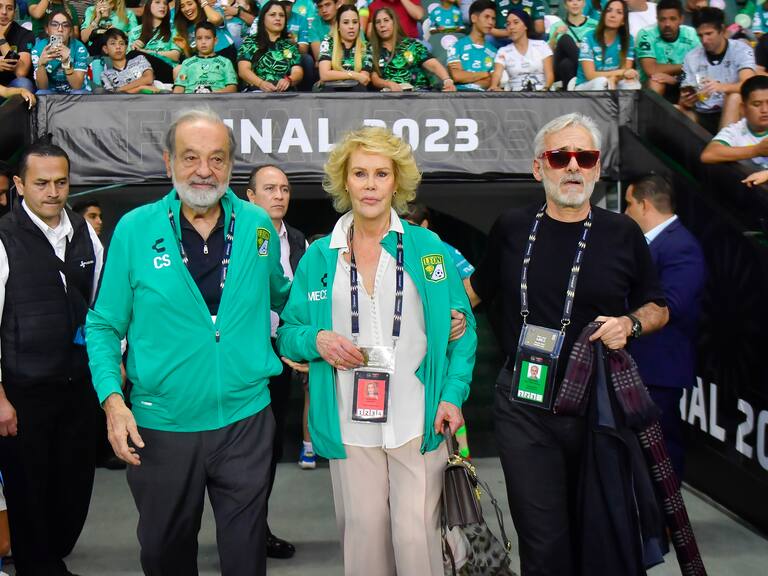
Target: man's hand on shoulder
{"points": [[120, 426]]}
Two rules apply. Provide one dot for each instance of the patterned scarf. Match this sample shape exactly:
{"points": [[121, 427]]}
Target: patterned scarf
{"points": [[642, 416]]}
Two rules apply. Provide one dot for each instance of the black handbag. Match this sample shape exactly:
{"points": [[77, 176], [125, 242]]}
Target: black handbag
{"points": [[461, 494], [462, 511]]}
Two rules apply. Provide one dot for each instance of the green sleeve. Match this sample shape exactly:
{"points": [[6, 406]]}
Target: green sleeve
{"points": [[296, 58], [134, 35], [461, 352], [420, 53], [644, 45], [107, 323], [230, 76], [296, 336], [182, 78], [88, 17]]}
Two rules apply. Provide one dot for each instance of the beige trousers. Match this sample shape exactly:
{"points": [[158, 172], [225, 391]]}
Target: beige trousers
{"points": [[388, 510]]}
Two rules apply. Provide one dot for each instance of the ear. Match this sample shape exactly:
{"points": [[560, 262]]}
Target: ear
{"points": [[251, 196], [167, 160], [424, 223], [19, 185], [537, 170]]}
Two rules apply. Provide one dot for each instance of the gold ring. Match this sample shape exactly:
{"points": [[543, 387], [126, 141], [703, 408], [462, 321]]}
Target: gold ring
{"points": [[338, 362]]}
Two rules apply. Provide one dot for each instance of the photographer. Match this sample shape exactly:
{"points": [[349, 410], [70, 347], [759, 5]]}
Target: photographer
{"points": [[60, 61], [15, 46]]}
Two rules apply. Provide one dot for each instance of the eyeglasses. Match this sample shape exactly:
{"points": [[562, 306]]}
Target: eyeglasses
{"points": [[561, 158], [61, 25]]}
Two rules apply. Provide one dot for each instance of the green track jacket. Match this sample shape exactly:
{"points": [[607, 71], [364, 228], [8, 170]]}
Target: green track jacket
{"points": [[189, 373], [446, 371]]}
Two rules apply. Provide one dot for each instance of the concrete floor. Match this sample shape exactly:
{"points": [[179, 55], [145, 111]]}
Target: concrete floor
{"points": [[302, 512]]}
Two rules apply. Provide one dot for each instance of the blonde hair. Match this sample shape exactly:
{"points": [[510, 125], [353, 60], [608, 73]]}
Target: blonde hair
{"points": [[373, 140], [121, 10], [338, 46]]}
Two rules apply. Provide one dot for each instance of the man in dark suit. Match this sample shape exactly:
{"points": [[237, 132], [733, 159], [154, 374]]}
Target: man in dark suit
{"points": [[667, 359], [268, 187]]}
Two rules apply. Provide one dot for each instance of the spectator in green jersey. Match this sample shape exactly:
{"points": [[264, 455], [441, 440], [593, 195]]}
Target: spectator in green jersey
{"points": [[206, 72], [565, 37], [154, 39], [268, 61], [661, 49], [344, 55], [401, 63], [102, 16]]}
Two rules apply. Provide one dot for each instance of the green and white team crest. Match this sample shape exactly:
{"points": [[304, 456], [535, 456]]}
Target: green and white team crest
{"points": [[262, 241], [434, 267]]}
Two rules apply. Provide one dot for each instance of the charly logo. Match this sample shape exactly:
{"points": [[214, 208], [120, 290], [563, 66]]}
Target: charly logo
{"points": [[84, 263], [262, 241], [434, 267], [158, 246]]}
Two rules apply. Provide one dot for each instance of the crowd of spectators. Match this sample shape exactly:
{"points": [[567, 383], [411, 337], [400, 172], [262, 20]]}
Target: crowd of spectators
{"points": [[690, 53]]}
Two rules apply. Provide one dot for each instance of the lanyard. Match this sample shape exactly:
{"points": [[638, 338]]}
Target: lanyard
{"points": [[399, 279], [227, 246], [570, 293]]}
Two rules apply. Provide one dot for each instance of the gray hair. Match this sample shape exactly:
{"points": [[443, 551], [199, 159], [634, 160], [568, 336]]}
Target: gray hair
{"points": [[562, 122], [191, 115]]}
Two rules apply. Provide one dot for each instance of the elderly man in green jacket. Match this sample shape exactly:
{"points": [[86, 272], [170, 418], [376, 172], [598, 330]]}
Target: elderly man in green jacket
{"points": [[190, 282]]}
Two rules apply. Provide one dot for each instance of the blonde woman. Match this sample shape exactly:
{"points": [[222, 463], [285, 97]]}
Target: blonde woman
{"points": [[344, 54], [371, 308], [105, 14]]}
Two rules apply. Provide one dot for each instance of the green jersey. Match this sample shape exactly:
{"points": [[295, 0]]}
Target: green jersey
{"points": [[318, 30], [650, 44], [275, 63], [113, 21], [575, 32], [155, 44], [38, 24], [206, 74], [404, 66], [348, 57], [473, 58]]}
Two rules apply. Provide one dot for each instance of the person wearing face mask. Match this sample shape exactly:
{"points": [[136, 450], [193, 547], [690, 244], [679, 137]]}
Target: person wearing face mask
{"points": [[345, 57], [60, 61], [373, 303], [557, 266], [190, 281]]}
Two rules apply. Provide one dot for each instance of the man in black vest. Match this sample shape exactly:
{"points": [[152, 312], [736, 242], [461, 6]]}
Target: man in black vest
{"points": [[50, 261], [268, 187]]}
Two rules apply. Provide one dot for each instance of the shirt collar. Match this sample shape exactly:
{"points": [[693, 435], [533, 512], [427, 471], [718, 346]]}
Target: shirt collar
{"points": [[283, 232], [651, 235], [341, 230], [63, 229]]}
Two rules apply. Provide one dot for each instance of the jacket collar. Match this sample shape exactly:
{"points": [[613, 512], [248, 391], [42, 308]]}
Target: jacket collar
{"points": [[341, 230]]}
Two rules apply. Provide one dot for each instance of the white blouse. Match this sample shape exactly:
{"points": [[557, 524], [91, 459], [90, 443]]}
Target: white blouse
{"points": [[406, 404]]}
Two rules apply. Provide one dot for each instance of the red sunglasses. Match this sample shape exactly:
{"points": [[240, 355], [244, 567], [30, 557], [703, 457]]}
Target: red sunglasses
{"points": [[561, 158]]}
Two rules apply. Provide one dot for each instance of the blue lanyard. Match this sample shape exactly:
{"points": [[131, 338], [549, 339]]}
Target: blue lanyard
{"points": [[570, 293], [399, 281], [227, 246]]}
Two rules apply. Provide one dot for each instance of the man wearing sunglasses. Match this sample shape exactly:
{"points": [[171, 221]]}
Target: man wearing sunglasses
{"points": [[557, 266]]}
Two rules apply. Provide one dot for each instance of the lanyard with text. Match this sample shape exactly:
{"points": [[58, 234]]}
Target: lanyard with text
{"points": [[539, 347], [370, 399], [227, 246]]}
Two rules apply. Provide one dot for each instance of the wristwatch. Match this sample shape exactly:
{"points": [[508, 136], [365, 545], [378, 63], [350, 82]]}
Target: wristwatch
{"points": [[637, 327]]}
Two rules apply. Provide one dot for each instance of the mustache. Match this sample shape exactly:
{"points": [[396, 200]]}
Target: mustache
{"points": [[203, 182], [572, 179]]}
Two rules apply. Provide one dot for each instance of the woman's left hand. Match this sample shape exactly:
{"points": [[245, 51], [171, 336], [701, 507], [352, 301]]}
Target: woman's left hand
{"points": [[458, 325], [302, 367], [283, 84], [449, 413]]}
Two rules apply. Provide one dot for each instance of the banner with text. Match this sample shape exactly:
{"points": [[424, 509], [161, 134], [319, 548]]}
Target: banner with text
{"points": [[119, 138]]}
